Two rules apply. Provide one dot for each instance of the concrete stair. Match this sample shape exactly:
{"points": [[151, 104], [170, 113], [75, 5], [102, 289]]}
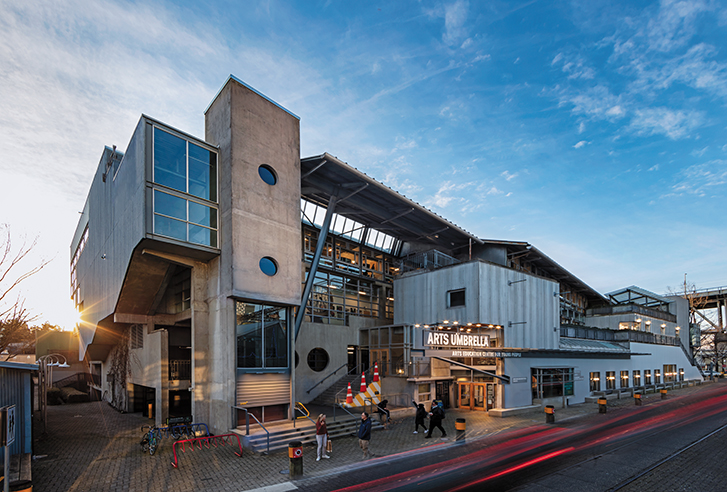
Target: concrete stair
{"points": [[281, 434], [328, 397]]}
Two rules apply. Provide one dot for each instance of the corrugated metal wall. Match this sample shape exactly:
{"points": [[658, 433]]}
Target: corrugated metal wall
{"points": [[263, 389], [15, 388]]}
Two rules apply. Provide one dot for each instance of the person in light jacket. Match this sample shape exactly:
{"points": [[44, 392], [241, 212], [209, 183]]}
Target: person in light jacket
{"points": [[364, 434], [321, 437]]}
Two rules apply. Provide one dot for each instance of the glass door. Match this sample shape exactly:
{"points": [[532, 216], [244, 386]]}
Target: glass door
{"points": [[478, 396], [490, 396], [464, 396]]}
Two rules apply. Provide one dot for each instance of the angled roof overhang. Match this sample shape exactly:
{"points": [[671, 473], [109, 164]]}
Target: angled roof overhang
{"points": [[375, 205]]}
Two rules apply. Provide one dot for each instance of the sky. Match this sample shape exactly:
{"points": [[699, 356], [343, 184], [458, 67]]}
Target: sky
{"points": [[595, 131]]}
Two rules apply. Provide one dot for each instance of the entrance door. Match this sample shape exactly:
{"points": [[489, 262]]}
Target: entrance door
{"points": [[442, 392], [478, 396], [382, 356], [464, 395]]}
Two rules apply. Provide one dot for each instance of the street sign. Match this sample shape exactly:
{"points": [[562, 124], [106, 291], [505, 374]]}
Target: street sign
{"points": [[10, 432]]}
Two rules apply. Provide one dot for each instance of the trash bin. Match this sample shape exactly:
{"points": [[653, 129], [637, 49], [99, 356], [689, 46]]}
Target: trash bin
{"points": [[602, 405], [460, 425], [295, 454], [549, 414]]}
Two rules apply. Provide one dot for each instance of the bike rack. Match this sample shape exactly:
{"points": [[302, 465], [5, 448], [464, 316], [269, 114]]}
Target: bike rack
{"points": [[206, 442], [181, 428]]}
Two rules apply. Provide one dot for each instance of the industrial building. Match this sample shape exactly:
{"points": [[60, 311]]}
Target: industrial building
{"points": [[227, 272]]}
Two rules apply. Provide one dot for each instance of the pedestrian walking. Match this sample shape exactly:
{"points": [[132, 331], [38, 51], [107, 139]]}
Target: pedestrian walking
{"points": [[384, 413], [364, 434], [419, 417], [435, 419], [321, 437]]}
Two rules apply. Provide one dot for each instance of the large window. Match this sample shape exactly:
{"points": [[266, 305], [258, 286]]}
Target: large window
{"points": [[637, 378], [595, 381], [657, 376], [185, 204], [625, 379], [335, 297], [647, 376], [670, 373], [610, 380], [262, 336], [549, 383], [184, 166]]}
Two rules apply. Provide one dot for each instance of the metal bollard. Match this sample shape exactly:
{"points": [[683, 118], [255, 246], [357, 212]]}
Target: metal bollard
{"points": [[460, 425], [549, 414], [295, 453], [637, 399], [663, 393], [602, 405]]}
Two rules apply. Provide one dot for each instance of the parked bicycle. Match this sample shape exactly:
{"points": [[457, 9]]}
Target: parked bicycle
{"points": [[150, 439]]}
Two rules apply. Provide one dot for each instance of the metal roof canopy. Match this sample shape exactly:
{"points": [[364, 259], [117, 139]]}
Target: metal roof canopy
{"points": [[637, 295], [375, 205], [505, 379], [556, 272]]}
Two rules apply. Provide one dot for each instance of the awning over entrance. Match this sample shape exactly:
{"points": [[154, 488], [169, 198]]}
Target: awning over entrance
{"points": [[505, 379]]}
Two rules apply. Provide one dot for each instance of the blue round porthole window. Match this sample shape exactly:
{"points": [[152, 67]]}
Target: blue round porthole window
{"points": [[267, 174], [268, 266]]}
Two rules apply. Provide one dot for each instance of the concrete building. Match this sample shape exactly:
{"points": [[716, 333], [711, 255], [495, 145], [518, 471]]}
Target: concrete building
{"points": [[228, 272]]}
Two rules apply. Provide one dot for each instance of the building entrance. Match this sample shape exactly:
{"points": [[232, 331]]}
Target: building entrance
{"points": [[476, 396]]}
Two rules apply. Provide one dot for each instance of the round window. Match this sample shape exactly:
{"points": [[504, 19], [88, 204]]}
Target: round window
{"points": [[317, 359], [267, 174], [268, 266]]}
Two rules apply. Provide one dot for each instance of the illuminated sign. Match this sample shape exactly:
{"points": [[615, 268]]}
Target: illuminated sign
{"points": [[447, 339]]}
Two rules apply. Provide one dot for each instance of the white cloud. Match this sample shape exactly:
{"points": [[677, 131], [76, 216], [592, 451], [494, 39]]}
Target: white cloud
{"points": [[699, 152], [508, 176], [596, 102], [655, 167], [703, 179], [455, 16], [674, 124], [580, 144], [574, 66]]}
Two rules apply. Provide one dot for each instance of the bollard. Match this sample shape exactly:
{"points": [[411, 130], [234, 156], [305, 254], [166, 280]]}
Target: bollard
{"points": [[602, 405], [460, 425], [549, 414], [663, 393], [637, 399], [150, 413], [295, 453]]}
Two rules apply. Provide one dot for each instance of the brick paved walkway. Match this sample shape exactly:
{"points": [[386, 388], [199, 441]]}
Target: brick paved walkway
{"points": [[92, 447]]}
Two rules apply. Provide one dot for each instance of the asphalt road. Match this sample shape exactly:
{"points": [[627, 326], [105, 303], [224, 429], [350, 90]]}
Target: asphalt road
{"points": [[662, 445]]}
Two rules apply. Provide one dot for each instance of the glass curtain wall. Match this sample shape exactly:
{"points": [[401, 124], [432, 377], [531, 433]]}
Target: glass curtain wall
{"points": [[185, 191], [262, 336]]}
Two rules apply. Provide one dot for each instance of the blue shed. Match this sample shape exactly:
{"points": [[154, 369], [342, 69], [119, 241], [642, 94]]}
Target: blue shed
{"points": [[16, 388]]}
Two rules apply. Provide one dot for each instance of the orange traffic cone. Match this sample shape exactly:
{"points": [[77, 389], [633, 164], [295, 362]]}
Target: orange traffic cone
{"points": [[376, 372], [349, 395], [363, 382]]}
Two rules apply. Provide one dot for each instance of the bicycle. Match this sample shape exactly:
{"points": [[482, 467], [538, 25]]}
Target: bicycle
{"points": [[149, 440]]}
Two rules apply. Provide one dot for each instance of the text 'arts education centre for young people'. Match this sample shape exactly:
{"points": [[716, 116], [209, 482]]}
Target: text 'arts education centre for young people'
{"points": [[228, 272]]}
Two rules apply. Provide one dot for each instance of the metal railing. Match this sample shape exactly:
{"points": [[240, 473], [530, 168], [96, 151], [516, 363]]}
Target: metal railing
{"points": [[180, 370], [321, 381], [247, 423], [299, 407]]}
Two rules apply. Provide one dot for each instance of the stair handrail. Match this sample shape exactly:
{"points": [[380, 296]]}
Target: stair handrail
{"points": [[247, 423], [345, 410], [321, 381], [299, 407]]}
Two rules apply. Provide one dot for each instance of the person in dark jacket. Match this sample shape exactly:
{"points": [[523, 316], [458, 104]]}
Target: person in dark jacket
{"points": [[384, 413], [364, 434], [435, 419], [419, 417]]}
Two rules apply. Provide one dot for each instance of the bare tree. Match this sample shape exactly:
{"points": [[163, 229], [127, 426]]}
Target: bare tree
{"points": [[14, 317]]}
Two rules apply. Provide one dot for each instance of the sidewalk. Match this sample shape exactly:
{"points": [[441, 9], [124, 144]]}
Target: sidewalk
{"points": [[92, 447]]}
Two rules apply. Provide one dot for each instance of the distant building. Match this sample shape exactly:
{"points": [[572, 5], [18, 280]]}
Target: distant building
{"points": [[228, 272]]}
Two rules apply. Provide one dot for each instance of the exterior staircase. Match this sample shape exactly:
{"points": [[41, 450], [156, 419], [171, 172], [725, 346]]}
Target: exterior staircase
{"points": [[305, 432], [328, 397]]}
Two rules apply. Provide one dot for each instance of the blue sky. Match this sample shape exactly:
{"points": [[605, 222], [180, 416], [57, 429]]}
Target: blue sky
{"points": [[595, 130]]}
